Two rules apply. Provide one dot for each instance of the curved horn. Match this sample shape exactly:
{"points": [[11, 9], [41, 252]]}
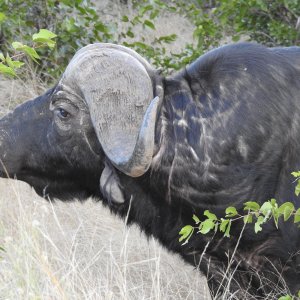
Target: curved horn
{"points": [[139, 161], [117, 85]]}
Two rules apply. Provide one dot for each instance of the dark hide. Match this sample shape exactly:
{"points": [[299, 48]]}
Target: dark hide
{"points": [[55, 163], [228, 132]]}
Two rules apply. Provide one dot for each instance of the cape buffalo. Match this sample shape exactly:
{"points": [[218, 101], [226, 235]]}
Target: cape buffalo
{"points": [[223, 131]]}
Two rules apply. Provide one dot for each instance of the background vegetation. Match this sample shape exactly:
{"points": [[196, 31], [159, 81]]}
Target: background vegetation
{"points": [[77, 23]]}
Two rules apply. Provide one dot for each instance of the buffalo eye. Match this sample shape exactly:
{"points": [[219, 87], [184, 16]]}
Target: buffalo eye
{"points": [[62, 113]]}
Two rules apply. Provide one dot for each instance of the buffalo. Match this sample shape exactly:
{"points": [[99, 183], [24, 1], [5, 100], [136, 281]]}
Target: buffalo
{"points": [[156, 150]]}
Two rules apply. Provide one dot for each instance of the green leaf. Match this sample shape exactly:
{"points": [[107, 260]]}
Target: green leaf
{"points": [[136, 20], [283, 206], [17, 45], [160, 3], [297, 188], [252, 206], [144, 9], [17, 64], [141, 45], [130, 34], [286, 209], [248, 218], [69, 24], [14, 64], [8, 60], [51, 44], [26, 49], [223, 225], [154, 14], [2, 17], [125, 19], [266, 208], [101, 27], [297, 216], [2, 57], [31, 53], [258, 223], [206, 226], [236, 38], [7, 70], [196, 219], [186, 233], [149, 24], [262, 5], [167, 39], [210, 215], [296, 174], [44, 36], [231, 212], [287, 297]]}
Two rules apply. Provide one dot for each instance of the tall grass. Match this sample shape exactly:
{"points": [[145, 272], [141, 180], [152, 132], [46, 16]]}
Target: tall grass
{"points": [[79, 251]]}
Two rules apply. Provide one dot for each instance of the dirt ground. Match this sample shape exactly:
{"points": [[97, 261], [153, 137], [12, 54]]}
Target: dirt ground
{"points": [[165, 24]]}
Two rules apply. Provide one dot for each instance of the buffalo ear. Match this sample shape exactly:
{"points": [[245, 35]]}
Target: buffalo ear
{"points": [[110, 187]]}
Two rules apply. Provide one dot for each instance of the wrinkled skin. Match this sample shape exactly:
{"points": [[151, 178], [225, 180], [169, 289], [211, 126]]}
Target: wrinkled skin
{"points": [[49, 153], [227, 132]]}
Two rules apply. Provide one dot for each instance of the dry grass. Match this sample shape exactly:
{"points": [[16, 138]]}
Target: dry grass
{"points": [[78, 250], [14, 92]]}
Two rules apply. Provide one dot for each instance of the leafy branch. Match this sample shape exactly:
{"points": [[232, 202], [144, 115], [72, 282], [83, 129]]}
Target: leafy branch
{"points": [[254, 213], [9, 64], [297, 176]]}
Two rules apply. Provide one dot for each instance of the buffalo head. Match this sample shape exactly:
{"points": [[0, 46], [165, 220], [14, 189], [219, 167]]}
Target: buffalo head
{"points": [[104, 106]]}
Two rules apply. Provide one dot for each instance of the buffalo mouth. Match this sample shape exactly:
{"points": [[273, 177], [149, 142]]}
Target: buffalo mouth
{"points": [[58, 187]]}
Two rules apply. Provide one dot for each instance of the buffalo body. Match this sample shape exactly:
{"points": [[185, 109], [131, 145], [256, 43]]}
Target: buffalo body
{"points": [[223, 131]]}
